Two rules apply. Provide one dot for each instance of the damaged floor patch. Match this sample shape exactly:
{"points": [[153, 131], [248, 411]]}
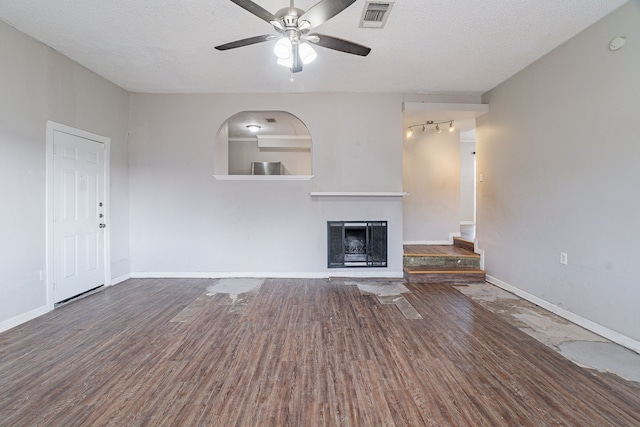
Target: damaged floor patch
{"points": [[192, 310], [241, 292], [577, 344], [605, 357], [389, 293], [234, 287]]}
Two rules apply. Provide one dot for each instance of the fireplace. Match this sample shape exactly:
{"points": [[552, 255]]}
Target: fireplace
{"points": [[356, 244]]}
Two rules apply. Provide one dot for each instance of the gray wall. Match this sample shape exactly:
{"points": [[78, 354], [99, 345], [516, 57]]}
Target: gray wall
{"points": [[560, 154], [38, 84], [431, 175], [185, 222]]}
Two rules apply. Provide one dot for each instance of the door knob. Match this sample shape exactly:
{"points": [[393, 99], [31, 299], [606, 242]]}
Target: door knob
{"points": [[102, 225]]}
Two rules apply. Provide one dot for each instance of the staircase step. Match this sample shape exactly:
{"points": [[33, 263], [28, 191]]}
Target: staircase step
{"points": [[462, 243], [442, 261], [444, 275]]}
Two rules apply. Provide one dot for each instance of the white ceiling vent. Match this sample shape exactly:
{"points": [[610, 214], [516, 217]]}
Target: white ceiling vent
{"points": [[375, 14]]}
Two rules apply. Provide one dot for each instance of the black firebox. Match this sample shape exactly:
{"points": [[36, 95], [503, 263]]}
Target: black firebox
{"points": [[356, 244]]}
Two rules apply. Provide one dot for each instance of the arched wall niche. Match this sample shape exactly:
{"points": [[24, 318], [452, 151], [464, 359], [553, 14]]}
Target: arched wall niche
{"points": [[280, 137]]}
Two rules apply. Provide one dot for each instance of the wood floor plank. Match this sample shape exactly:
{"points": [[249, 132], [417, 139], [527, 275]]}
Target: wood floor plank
{"points": [[310, 352]]}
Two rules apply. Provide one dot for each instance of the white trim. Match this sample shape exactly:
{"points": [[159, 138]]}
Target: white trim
{"points": [[49, 190], [263, 177], [467, 223], [23, 318], [370, 273], [596, 328], [358, 194], [479, 252], [120, 279]]}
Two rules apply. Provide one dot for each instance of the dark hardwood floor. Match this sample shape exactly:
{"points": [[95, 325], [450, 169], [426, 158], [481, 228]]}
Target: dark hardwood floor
{"points": [[298, 353]]}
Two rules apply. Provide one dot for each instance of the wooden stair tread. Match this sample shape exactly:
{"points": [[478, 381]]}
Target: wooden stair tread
{"points": [[437, 250]]}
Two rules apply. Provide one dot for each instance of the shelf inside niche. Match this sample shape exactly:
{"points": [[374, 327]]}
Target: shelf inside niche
{"points": [[358, 194], [263, 177]]}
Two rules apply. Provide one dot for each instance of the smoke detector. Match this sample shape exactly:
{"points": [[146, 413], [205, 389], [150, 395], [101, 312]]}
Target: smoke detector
{"points": [[375, 14]]}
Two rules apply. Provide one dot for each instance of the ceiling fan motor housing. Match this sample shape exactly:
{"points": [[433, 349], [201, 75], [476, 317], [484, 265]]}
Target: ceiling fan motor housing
{"points": [[289, 16]]}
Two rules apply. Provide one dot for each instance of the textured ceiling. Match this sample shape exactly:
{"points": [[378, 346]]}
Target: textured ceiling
{"points": [[427, 46]]}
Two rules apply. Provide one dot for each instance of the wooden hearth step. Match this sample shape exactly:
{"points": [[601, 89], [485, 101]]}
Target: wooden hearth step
{"points": [[425, 274], [462, 243]]}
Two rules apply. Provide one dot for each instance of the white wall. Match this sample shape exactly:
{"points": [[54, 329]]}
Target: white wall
{"points": [[560, 154], [432, 179], [38, 84], [467, 181], [184, 221]]}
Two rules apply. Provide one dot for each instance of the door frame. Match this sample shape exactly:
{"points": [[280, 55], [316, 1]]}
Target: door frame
{"points": [[49, 210]]}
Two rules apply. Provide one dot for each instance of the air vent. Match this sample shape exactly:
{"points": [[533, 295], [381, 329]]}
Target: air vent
{"points": [[375, 14], [270, 120]]}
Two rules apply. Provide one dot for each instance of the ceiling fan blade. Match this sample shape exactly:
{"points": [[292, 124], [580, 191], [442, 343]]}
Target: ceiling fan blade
{"points": [[338, 44], [245, 42], [324, 10], [257, 10]]}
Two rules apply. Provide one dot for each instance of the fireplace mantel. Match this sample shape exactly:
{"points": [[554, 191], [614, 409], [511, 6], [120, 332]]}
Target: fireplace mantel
{"points": [[358, 194]]}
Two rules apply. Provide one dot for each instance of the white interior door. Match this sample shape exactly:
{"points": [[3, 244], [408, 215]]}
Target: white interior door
{"points": [[78, 215]]}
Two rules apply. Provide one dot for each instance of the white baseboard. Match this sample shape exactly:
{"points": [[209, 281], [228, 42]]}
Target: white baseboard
{"points": [[22, 318], [427, 242], [370, 273], [596, 328], [120, 279], [433, 242]]}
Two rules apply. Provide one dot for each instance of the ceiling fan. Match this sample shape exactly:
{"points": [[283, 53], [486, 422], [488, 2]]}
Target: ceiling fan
{"points": [[293, 26]]}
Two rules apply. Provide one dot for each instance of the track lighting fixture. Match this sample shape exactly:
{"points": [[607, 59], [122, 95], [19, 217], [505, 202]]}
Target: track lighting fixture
{"points": [[430, 123]]}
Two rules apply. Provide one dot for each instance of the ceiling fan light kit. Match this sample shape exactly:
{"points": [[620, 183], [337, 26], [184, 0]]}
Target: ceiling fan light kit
{"points": [[293, 48]]}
